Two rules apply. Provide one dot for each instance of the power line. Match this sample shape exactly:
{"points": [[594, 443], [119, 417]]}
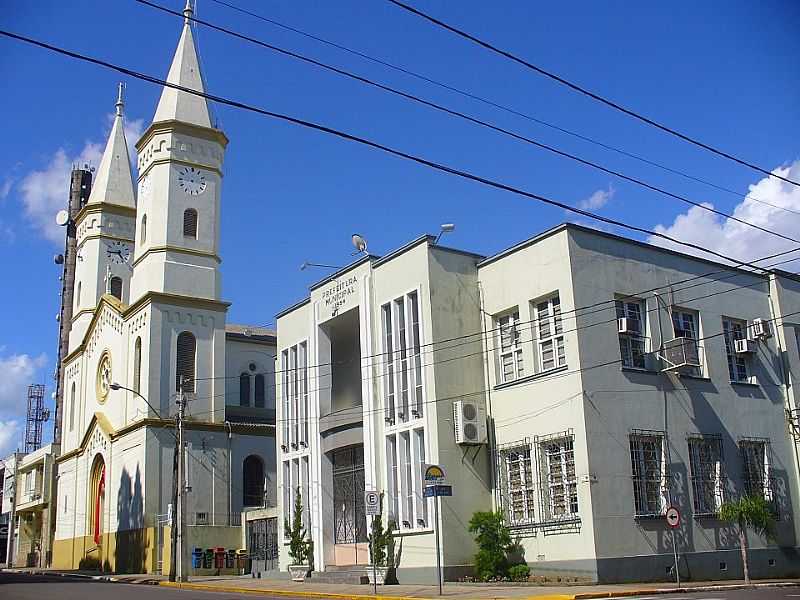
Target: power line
{"points": [[502, 107], [375, 145], [472, 119], [590, 94]]}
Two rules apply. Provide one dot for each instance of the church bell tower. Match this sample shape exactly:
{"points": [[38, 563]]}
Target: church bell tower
{"points": [[180, 174]]}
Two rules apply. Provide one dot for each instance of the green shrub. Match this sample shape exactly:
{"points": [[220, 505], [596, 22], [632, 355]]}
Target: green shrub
{"points": [[519, 572], [494, 540]]}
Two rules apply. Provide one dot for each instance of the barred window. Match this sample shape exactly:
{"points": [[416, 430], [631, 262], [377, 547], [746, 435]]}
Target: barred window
{"points": [[550, 334], [517, 484], [190, 223], [706, 468], [558, 480], [648, 468], [511, 363], [756, 468], [632, 340], [185, 361], [733, 330]]}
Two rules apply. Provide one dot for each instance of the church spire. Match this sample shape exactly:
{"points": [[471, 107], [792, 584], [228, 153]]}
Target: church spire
{"points": [[113, 183], [185, 71]]}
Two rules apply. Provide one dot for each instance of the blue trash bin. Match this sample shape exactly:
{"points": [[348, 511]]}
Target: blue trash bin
{"points": [[197, 558]]}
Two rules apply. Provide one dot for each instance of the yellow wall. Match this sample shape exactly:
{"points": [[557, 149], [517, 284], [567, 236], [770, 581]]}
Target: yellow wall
{"points": [[120, 552]]}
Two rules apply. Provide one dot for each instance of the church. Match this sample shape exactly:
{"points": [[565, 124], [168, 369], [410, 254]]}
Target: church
{"points": [[149, 323]]}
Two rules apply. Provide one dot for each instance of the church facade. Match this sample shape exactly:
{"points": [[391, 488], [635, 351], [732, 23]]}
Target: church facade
{"points": [[149, 324]]}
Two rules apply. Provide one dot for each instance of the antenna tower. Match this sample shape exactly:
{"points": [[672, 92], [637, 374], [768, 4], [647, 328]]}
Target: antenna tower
{"points": [[37, 414]]}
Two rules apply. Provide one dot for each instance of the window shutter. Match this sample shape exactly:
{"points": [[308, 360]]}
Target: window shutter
{"points": [[185, 363], [190, 223]]}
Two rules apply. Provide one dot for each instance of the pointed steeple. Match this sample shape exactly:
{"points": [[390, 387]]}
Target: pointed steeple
{"points": [[113, 182], [185, 72]]}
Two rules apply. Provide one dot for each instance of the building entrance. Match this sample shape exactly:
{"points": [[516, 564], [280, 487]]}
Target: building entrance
{"points": [[349, 517]]}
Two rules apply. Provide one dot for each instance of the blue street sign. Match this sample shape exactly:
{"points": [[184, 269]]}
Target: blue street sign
{"points": [[432, 491]]}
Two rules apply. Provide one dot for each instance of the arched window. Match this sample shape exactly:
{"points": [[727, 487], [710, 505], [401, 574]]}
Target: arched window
{"points": [[72, 407], [116, 287], [185, 362], [244, 389], [259, 400], [253, 481], [78, 297], [97, 494], [143, 233], [137, 364], [190, 223]]}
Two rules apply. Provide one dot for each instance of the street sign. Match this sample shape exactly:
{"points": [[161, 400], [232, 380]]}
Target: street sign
{"points": [[434, 491], [433, 474], [673, 517], [372, 503]]}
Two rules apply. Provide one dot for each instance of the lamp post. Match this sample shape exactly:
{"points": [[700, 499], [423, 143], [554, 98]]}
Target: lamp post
{"points": [[115, 386]]}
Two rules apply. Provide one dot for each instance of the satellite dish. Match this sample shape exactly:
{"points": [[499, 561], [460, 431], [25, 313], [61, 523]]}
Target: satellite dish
{"points": [[58, 317], [62, 218], [359, 242], [58, 259]]}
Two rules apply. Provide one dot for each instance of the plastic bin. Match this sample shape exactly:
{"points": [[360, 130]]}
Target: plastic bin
{"points": [[219, 558], [197, 558], [230, 559], [208, 558]]}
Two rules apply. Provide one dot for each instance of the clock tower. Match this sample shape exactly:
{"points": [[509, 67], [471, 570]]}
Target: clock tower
{"points": [[180, 174], [105, 232]]}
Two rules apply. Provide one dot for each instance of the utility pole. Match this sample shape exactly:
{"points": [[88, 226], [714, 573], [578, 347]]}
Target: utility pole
{"points": [[180, 538]]}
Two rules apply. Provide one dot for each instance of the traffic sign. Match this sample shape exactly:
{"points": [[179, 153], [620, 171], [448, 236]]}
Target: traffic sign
{"points": [[433, 474], [434, 491], [673, 517], [372, 503]]}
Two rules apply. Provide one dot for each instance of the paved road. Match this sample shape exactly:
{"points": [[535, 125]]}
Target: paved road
{"points": [[52, 587]]}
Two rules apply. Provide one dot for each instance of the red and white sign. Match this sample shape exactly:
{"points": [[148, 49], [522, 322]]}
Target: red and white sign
{"points": [[673, 517]]}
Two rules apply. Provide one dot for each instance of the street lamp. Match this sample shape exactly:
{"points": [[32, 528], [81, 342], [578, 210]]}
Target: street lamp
{"points": [[115, 386], [307, 264], [445, 228]]}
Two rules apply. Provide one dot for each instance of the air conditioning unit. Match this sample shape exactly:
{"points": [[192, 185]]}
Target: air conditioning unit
{"points": [[760, 329], [626, 325], [681, 352], [744, 346], [469, 419]]}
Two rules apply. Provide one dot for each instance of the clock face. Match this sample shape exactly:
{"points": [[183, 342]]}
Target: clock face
{"points": [[104, 377], [118, 252], [192, 181]]}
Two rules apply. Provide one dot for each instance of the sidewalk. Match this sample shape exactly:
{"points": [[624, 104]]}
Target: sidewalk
{"points": [[461, 591]]}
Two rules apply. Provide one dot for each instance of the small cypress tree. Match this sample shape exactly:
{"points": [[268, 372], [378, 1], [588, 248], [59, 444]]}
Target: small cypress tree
{"points": [[298, 547]]}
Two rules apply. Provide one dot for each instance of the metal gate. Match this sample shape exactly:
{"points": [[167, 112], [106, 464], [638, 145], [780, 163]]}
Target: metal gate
{"points": [[161, 521], [349, 515], [262, 544]]}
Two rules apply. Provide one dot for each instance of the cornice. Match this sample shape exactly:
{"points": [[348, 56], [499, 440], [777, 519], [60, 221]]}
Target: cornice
{"points": [[105, 207], [206, 133], [179, 161], [169, 248], [105, 236]]}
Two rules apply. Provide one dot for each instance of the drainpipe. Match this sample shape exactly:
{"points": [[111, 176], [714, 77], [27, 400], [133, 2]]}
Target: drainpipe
{"points": [[230, 462]]}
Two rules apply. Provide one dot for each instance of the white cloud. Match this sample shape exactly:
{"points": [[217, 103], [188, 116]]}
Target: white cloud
{"points": [[737, 240], [17, 372], [10, 437], [8, 182], [44, 192], [598, 199]]}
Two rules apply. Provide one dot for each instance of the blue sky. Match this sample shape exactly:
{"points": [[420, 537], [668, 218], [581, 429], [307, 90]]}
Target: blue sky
{"points": [[724, 72]]}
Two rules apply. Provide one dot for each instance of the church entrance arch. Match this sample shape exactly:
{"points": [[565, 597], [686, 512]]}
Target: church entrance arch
{"points": [[97, 497]]}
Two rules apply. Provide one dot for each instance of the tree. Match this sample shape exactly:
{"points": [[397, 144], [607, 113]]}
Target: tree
{"points": [[494, 541], [298, 547], [749, 511], [377, 542]]}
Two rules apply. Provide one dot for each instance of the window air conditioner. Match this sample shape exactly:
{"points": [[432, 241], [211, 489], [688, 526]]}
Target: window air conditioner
{"points": [[469, 419], [743, 346], [760, 329], [626, 325], [681, 352]]}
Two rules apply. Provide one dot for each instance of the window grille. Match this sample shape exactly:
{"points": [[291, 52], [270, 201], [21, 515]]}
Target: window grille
{"points": [[517, 484], [648, 469], [733, 330], [190, 223], [706, 468], [756, 467], [558, 481]]}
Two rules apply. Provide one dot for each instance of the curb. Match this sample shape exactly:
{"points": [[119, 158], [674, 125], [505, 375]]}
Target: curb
{"points": [[677, 590]]}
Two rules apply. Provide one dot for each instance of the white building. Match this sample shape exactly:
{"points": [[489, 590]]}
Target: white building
{"points": [[618, 378], [149, 316]]}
